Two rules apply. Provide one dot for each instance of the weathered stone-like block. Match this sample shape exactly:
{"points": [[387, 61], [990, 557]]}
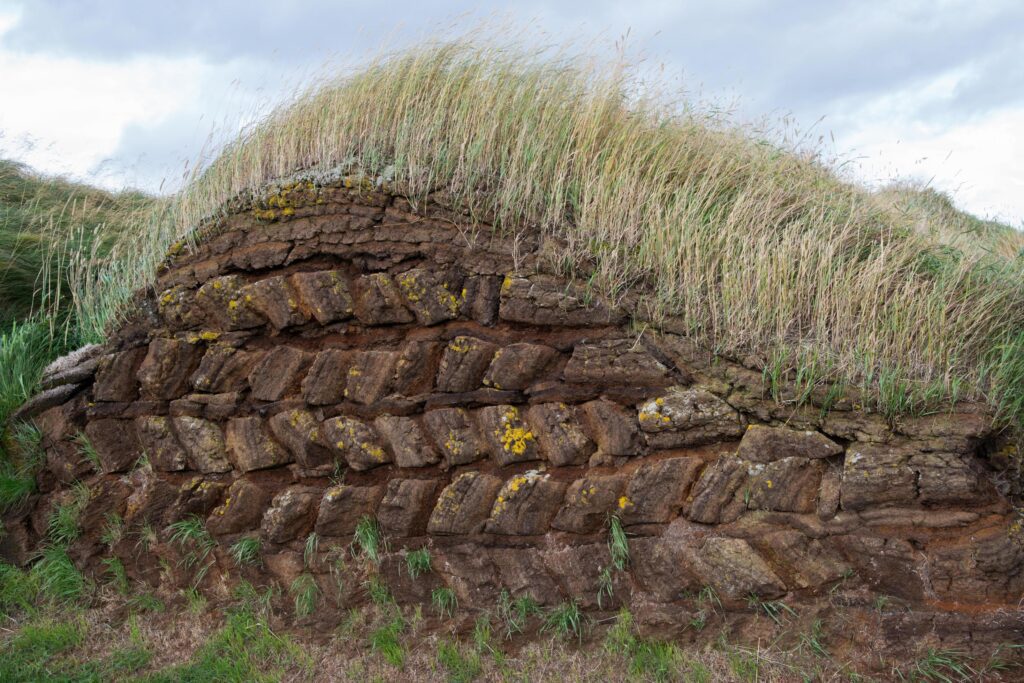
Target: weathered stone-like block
{"points": [[325, 382], [525, 505], [204, 444], [178, 308], [116, 375], [369, 377], [482, 292], [324, 295], [875, 474], [406, 505], [432, 298], [225, 306], [509, 437], [663, 565], [614, 362], [210, 406], [786, 485], [736, 570], [588, 502], [278, 373], [811, 564], [408, 444], [242, 509], [765, 444], [657, 490], [515, 366], [160, 444], [463, 364], [453, 432], [165, 372], [299, 432], [343, 506], [524, 572], [290, 514], [277, 301], [260, 255], [416, 367], [224, 369], [355, 441], [547, 300], [559, 434], [250, 446], [688, 417], [615, 430], [378, 301], [465, 504], [197, 496], [716, 490], [115, 443], [945, 477]]}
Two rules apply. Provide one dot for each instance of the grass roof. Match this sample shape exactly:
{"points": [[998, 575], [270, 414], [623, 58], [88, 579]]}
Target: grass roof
{"points": [[759, 249]]}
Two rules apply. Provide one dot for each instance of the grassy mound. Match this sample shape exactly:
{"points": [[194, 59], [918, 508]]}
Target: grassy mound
{"points": [[761, 250], [55, 238]]}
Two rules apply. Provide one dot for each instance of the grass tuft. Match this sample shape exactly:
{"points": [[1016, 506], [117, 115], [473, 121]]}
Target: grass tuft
{"points": [[306, 594], [417, 563], [368, 539], [444, 601], [564, 620], [387, 643], [246, 551]]}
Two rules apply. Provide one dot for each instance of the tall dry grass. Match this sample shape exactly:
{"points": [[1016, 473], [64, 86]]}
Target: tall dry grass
{"points": [[756, 247]]}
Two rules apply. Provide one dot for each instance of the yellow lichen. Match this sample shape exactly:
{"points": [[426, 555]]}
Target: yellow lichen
{"points": [[461, 345], [514, 438], [624, 502]]}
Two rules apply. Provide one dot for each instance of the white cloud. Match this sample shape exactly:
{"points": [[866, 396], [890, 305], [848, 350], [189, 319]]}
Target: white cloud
{"points": [[67, 115], [70, 114], [976, 159]]}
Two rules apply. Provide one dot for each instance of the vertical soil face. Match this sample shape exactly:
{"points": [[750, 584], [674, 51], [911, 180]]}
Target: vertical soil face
{"points": [[349, 357]]}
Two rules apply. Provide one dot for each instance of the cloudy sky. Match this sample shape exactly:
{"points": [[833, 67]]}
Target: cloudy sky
{"points": [[127, 92]]}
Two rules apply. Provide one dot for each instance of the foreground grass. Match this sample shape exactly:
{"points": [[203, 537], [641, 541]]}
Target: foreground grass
{"points": [[115, 640], [104, 632]]}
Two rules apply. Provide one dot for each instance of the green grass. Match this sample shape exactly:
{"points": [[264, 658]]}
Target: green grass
{"points": [[57, 577], [24, 457], [19, 589], [618, 544], [116, 574], [88, 451], [378, 591], [62, 527], [196, 544], [113, 529], [444, 601], [564, 620], [461, 664], [244, 650], [368, 539], [515, 613], [386, 641], [310, 549], [305, 593], [246, 551], [417, 562], [33, 654]]}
